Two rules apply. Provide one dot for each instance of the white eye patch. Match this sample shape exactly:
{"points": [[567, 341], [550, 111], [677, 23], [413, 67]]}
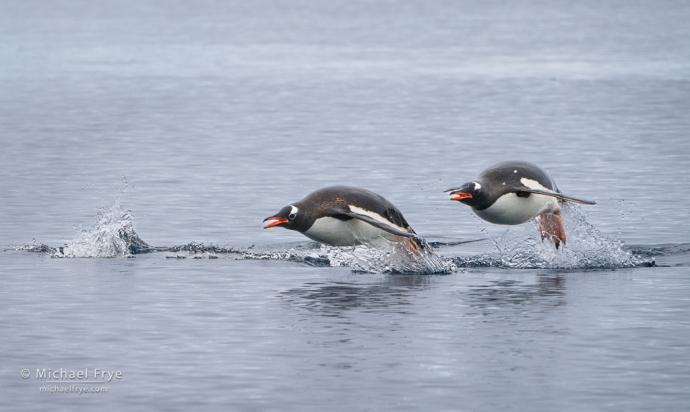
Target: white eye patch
{"points": [[293, 212], [477, 186]]}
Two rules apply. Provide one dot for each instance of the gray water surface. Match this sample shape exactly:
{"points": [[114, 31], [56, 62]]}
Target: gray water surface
{"points": [[203, 118]]}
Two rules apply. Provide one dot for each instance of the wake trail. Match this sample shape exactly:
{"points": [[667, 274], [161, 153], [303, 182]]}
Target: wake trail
{"points": [[113, 235]]}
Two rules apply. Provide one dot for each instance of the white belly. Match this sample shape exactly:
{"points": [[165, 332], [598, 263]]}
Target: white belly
{"points": [[510, 209], [335, 232]]}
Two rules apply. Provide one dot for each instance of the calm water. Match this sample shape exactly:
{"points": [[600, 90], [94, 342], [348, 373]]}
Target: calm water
{"points": [[203, 118]]}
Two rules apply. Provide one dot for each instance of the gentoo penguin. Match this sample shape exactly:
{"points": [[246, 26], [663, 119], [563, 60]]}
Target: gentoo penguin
{"points": [[345, 216], [511, 193]]}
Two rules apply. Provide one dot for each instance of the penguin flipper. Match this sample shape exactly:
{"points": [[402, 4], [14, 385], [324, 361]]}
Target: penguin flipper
{"points": [[559, 196], [390, 228]]}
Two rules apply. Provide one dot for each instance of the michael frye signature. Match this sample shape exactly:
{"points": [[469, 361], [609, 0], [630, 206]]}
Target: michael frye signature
{"points": [[86, 375]]}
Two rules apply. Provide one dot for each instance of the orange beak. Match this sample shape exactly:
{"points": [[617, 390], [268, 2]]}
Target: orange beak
{"points": [[274, 221], [460, 196]]}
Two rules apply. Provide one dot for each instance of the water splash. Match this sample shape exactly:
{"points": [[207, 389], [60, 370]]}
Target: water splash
{"points": [[383, 257], [112, 235], [587, 248]]}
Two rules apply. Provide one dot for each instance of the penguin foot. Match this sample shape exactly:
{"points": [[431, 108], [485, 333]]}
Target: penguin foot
{"points": [[551, 227], [414, 245]]}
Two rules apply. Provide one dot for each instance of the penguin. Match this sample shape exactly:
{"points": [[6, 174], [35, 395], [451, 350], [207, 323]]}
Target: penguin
{"points": [[346, 216], [515, 192]]}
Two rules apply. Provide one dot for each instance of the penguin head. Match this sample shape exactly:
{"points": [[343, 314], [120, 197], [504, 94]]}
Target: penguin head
{"points": [[289, 217], [471, 194]]}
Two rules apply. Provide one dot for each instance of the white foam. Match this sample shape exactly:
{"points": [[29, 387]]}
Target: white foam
{"points": [[586, 248], [112, 235], [384, 257]]}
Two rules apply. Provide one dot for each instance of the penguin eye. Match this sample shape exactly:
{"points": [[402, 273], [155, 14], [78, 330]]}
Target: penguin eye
{"points": [[476, 192], [292, 216]]}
